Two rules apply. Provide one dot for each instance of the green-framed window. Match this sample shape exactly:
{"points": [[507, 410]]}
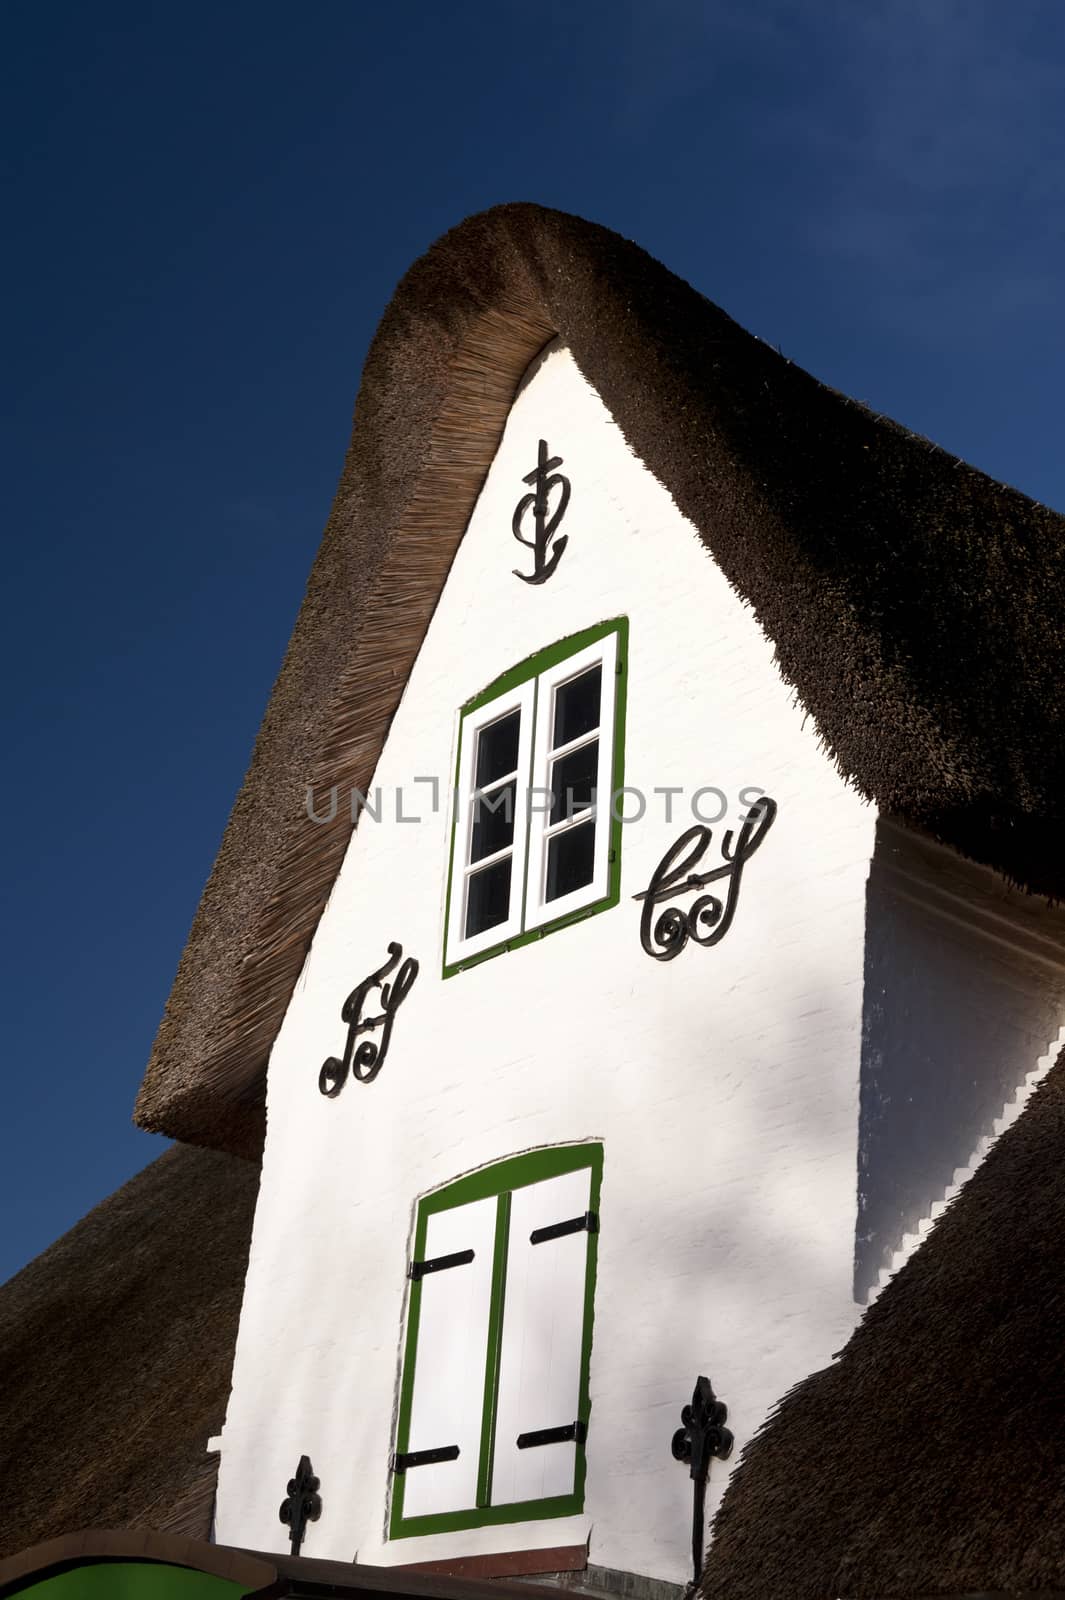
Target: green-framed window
{"points": [[494, 1407], [535, 842]]}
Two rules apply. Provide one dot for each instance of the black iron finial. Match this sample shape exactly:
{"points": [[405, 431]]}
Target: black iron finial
{"points": [[303, 1505], [701, 1437], [544, 478]]}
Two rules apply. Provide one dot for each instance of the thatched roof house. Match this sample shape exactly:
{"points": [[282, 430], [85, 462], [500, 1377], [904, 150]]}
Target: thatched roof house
{"points": [[906, 606]]}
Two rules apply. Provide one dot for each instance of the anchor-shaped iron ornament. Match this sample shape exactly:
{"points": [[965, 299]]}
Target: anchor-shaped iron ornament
{"points": [[708, 920], [544, 478], [702, 1437], [366, 1061], [303, 1505]]}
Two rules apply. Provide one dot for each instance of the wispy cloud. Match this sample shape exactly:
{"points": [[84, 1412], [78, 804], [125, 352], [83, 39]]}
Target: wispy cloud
{"points": [[925, 138], [958, 147]]}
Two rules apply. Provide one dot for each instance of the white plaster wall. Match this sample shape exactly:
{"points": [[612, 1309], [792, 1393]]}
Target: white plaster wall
{"points": [[964, 1000], [723, 1085]]}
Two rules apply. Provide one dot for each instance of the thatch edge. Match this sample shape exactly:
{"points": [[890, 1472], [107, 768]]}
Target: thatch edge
{"points": [[118, 1353]]}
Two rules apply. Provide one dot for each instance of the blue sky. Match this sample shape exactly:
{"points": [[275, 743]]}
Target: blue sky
{"points": [[208, 208]]}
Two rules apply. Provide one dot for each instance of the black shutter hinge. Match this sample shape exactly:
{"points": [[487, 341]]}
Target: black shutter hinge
{"points": [[558, 1230], [424, 1458], [419, 1269], [577, 1431]]}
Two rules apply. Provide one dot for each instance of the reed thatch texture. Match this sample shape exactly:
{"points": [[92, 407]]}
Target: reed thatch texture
{"points": [[930, 1458], [118, 1347], [912, 601]]}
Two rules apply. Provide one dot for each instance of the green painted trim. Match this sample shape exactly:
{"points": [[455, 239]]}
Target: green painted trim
{"points": [[539, 662], [532, 667], [516, 1172], [495, 1350], [406, 1393], [451, 849], [563, 1505], [499, 1180], [584, 1404], [134, 1580], [621, 697], [518, 941]]}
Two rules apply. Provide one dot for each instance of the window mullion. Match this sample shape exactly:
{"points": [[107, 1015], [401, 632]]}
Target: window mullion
{"points": [[527, 809], [488, 861], [574, 744], [495, 1345], [491, 788], [589, 814]]}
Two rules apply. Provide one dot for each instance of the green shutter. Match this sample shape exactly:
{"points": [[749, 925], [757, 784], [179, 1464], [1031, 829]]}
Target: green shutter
{"points": [[498, 1181]]}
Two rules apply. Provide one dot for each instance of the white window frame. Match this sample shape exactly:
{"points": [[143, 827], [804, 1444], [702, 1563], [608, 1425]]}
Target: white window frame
{"points": [[529, 912], [520, 699], [538, 910]]}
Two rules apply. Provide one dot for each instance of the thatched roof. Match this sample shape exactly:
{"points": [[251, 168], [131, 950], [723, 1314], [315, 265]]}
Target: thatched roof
{"points": [[912, 601], [117, 1351], [930, 1458]]}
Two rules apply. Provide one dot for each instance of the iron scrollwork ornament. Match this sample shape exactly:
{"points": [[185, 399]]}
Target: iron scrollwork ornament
{"points": [[709, 918], [303, 1505], [701, 1438], [364, 1061], [544, 478]]}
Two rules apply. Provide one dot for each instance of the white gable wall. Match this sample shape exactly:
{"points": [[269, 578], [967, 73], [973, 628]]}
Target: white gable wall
{"points": [[964, 999], [722, 1085]]}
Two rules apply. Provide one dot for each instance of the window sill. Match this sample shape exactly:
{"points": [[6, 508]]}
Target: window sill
{"points": [[519, 940]]}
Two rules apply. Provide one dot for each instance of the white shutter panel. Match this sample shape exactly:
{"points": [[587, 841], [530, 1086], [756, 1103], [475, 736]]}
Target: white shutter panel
{"points": [[448, 1399], [543, 1333]]}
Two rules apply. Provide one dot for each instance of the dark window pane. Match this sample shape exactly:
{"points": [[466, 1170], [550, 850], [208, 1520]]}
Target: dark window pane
{"points": [[488, 897], [497, 749], [570, 860], [493, 821], [577, 706], [573, 781]]}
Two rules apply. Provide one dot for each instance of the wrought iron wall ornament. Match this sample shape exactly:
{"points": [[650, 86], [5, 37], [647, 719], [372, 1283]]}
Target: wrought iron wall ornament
{"points": [[366, 1061], [544, 478], [702, 1437], [709, 918], [303, 1505]]}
